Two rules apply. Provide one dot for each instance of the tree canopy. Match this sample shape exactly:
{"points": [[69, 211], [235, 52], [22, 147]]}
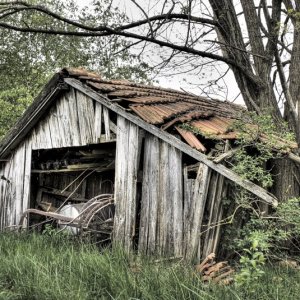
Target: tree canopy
{"points": [[28, 59], [257, 40]]}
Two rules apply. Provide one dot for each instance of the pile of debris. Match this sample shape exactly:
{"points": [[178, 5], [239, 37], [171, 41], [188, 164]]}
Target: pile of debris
{"points": [[210, 271]]}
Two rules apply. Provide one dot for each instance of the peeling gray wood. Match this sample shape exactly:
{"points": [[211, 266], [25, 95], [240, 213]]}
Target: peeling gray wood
{"points": [[63, 121], [131, 184], [195, 216], [188, 186], [214, 207], [150, 197], [176, 196], [106, 123], [27, 178], [164, 206], [54, 127], [127, 154], [98, 122], [161, 222], [19, 183], [86, 120], [120, 173], [74, 118]]}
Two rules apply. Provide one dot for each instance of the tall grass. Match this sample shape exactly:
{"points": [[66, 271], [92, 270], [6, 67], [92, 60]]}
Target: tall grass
{"points": [[42, 267]]}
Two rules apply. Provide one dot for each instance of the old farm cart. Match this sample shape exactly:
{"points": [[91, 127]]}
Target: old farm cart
{"points": [[85, 136]]}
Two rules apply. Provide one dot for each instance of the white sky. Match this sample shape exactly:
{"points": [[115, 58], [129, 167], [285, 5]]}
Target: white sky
{"points": [[180, 81]]}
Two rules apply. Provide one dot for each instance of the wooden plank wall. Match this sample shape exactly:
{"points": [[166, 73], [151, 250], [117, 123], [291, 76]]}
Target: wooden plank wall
{"points": [[202, 212], [178, 214], [194, 211], [211, 227], [15, 185], [126, 172], [74, 120], [161, 219]]}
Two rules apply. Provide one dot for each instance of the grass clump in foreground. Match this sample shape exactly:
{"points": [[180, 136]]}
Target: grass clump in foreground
{"points": [[42, 267]]}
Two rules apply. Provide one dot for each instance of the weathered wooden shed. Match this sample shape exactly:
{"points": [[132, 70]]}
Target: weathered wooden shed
{"points": [[85, 136]]}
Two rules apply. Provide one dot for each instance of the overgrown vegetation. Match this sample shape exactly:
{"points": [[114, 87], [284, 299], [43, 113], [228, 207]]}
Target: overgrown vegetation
{"points": [[263, 233], [29, 60], [54, 267], [255, 232]]}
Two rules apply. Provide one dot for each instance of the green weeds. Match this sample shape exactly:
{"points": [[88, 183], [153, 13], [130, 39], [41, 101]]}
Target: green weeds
{"points": [[55, 267]]}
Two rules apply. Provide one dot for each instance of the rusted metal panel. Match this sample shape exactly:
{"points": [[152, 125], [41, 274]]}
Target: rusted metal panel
{"points": [[188, 117], [216, 126], [157, 114], [127, 93], [106, 88], [191, 139], [151, 99]]}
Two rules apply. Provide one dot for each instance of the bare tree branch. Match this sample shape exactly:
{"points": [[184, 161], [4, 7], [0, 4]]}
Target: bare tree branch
{"points": [[106, 31]]}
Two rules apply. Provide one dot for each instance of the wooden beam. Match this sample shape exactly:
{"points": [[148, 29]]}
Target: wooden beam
{"points": [[246, 184], [65, 194], [98, 167], [226, 154], [295, 158]]}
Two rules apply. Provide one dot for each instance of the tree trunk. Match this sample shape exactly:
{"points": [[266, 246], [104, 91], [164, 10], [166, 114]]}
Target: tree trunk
{"points": [[259, 94], [286, 181]]}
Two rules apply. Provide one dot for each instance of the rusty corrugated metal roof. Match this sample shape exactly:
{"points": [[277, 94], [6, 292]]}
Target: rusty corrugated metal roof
{"points": [[217, 127], [191, 139], [169, 108], [157, 114]]}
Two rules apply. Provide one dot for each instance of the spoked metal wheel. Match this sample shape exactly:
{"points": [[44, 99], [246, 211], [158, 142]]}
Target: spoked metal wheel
{"points": [[98, 217]]}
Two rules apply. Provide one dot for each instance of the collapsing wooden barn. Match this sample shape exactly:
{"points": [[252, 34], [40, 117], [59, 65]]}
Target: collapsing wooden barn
{"points": [[86, 136]]}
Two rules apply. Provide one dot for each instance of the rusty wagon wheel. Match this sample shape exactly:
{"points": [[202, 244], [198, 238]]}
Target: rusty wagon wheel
{"points": [[97, 218]]}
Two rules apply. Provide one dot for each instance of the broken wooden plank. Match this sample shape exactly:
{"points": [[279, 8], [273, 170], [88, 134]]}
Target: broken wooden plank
{"points": [[65, 194], [191, 139], [244, 183], [77, 168], [211, 230], [227, 154], [197, 206], [113, 127]]}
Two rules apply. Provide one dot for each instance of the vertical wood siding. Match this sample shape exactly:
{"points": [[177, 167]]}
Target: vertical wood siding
{"points": [[177, 214], [127, 163], [193, 217], [74, 120], [217, 192], [14, 186], [161, 220]]}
